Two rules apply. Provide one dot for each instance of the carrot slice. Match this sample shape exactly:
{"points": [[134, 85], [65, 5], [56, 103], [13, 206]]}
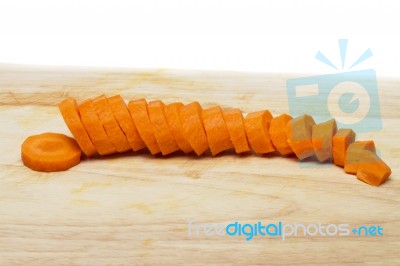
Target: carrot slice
{"points": [[278, 134], [114, 132], [216, 130], [234, 123], [355, 155], [125, 121], [257, 126], [171, 112], [94, 128], [193, 128], [342, 139], [361, 160], [162, 133], [70, 114], [373, 170], [50, 152], [140, 116], [322, 135], [299, 134]]}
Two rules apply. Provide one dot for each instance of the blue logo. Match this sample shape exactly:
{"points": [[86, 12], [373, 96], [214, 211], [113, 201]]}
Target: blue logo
{"points": [[281, 230], [351, 97]]}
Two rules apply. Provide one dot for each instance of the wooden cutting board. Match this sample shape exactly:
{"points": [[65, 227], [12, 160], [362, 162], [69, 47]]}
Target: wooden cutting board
{"points": [[135, 208]]}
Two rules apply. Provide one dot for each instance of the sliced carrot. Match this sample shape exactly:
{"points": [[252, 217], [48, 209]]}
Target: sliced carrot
{"points": [[373, 170], [125, 121], [299, 134], [234, 123], [216, 130], [193, 128], [355, 155], [70, 114], [140, 116], [114, 132], [322, 135], [256, 126], [171, 112], [341, 140], [278, 134], [361, 160], [94, 128], [50, 152], [162, 133]]}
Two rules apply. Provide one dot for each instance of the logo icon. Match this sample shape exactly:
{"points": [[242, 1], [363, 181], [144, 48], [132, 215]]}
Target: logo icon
{"points": [[351, 97]]}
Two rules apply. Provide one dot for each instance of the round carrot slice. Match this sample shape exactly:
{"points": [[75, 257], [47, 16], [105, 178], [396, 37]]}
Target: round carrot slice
{"points": [[162, 133], [277, 131], [138, 111], [234, 123], [299, 136], [171, 112], [50, 152], [114, 132], [70, 114], [94, 128], [193, 128], [215, 127], [125, 121], [256, 126]]}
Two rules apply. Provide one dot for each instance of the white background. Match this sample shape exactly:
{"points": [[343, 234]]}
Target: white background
{"points": [[266, 36]]}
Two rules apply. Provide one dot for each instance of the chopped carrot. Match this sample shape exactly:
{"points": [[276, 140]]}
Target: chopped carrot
{"points": [[171, 112], [50, 152], [162, 133], [355, 155], [105, 126], [322, 135], [257, 130], [373, 170], [114, 132], [361, 160], [125, 121], [193, 128], [140, 116], [341, 140], [216, 130], [94, 128], [234, 123], [70, 114], [278, 134], [299, 134]]}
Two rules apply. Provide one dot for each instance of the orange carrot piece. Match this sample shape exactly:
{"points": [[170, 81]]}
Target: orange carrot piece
{"points": [[70, 114], [278, 134], [140, 116], [373, 170], [257, 130], [50, 152], [193, 128], [125, 121], [234, 123], [114, 132], [322, 135], [171, 112], [94, 128], [216, 130], [341, 140], [355, 155], [162, 133], [299, 136]]}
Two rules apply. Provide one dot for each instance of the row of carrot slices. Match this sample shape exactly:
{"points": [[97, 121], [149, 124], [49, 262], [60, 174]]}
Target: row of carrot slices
{"points": [[107, 125]]}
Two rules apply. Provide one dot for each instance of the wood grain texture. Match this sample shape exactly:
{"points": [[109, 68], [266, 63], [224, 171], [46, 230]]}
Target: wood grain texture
{"points": [[135, 209]]}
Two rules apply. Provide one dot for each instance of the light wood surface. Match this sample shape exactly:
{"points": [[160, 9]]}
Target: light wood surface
{"points": [[135, 209]]}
